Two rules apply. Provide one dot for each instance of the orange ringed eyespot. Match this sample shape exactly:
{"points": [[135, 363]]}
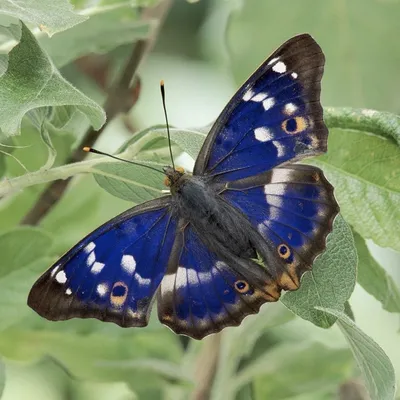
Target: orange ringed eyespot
{"points": [[294, 125], [242, 286], [284, 251]]}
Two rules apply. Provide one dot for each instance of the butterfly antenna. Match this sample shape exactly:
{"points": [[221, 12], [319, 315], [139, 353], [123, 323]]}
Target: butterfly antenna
{"points": [[91, 150], [166, 120]]}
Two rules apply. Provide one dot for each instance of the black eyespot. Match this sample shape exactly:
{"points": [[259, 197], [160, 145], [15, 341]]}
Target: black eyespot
{"points": [[291, 125], [118, 291], [295, 125], [242, 287], [284, 251]]}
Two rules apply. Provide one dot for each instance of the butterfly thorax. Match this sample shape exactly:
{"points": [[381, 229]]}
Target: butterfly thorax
{"points": [[197, 201]]}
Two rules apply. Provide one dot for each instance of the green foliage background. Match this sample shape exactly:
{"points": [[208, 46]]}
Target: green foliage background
{"points": [[204, 51]]}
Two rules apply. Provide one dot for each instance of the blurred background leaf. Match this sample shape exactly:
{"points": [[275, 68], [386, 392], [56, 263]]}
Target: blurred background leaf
{"points": [[374, 279], [49, 16], [353, 45]]}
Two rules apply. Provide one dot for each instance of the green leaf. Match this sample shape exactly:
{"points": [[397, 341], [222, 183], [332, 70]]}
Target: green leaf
{"points": [[14, 290], [289, 370], [375, 365], [331, 281], [2, 377], [189, 140], [47, 379], [343, 35], [364, 168], [24, 255], [129, 182], [105, 30], [137, 183], [21, 246], [48, 15], [6, 148], [169, 371], [37, 83], [374, 279], [82, 352], [379, 123]]}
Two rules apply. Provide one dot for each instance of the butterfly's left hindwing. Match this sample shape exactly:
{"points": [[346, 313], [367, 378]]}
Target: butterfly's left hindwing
{"points": [[275, 117], [112, 274], [202, 293]]}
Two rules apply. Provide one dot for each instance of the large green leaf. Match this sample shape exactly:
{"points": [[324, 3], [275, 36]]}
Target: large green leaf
{"points": [[291, 370], [32, 81], [363, 164], [47, 379], [106, 29], [375, 365], [374, 279], [136, 183], [21, 246], [354, 52], [2, 377], [24, 255], [85, 353], [49, 15], [331, 281]]}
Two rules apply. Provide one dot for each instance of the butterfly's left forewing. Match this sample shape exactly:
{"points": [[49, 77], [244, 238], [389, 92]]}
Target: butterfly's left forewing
{"points": [[112, 274]]}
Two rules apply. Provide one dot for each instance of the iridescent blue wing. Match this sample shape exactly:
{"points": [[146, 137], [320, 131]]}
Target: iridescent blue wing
{"points": [[202, 293], [293, 208], [275, 117], [112, 274]]}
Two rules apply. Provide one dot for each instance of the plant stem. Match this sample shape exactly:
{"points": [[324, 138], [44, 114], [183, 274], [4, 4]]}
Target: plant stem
{"points": [[119, 100], [206, 367]]}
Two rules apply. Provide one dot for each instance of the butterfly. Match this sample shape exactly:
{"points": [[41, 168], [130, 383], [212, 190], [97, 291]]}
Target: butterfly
{"points": [[229, 237]]}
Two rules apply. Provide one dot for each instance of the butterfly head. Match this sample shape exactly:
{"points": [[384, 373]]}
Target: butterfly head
{"points": [[172, 176]]}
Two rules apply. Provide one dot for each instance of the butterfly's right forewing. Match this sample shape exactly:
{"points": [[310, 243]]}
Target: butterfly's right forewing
{"points": [[112, 274]]}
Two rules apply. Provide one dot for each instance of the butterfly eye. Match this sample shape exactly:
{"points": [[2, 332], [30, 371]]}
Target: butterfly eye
{"points": [[284, 251], [180, 169], [119, 294], [294, 125], [242, 286]]}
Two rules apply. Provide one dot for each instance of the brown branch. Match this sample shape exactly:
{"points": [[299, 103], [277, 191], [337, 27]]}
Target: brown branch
{"points": [[121, 97], [206, 368]]}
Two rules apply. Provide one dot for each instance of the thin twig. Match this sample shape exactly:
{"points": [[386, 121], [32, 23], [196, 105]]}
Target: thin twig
{"points": [[119, 100], [206, 368]]}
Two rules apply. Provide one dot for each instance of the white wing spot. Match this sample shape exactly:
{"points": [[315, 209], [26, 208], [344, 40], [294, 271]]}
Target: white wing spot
{"points": [[142, 281], [61, 277], [280, 147], [102, 289], [279, 67], [68, 292], [290, 108], [55, 269], [262, 134], [259, 97], [89, 248], [294, 75], [128, 263], [248, 95], [97, 267], [268, 103], [273, 60], [91, 259]]}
